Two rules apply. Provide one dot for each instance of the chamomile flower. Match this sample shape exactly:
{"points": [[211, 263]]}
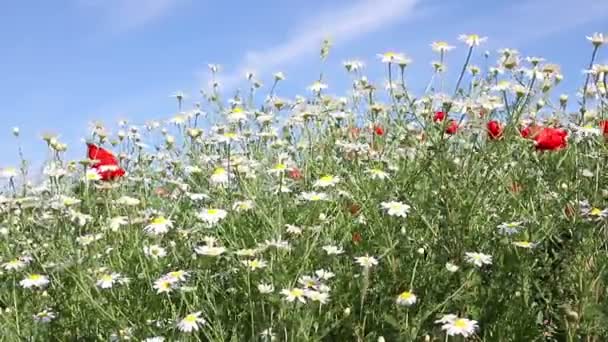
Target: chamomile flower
{"points": [[392, 57], [314, 196], [509, 228], [333, 250], [155, 339], [209, 250], [326, 181], [317, 296], [406, 298], [324, 274], [14, 264], [451, 267], [34, 280], [45, 316], [88, 239], [254, 264], [278, 169], [478, 259], [317, 87], [128, 201], [8, 172], [107, 280], [158, 226], [265, 288], [239, 206], [92, 175], [472, 39], [377, 174], [191, 322], [211, 216], [219, 176], [294, 294], [164, 285], [116, 222], [177, 276], [294, 230], [441, 47], [366, 261], [597, 39], [525, 244], [454, 325], [155, 252], [394, 208]]}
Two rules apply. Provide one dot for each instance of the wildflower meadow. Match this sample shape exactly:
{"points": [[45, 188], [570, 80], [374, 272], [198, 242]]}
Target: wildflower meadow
{"points": [[474, 210]]}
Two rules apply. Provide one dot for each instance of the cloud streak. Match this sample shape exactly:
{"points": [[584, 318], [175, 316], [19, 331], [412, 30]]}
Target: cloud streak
{"points": [[342, 25], [126, 15]]}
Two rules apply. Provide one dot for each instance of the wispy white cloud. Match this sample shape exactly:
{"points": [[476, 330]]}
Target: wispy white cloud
{"points": [[339, 24], [124, 15]]}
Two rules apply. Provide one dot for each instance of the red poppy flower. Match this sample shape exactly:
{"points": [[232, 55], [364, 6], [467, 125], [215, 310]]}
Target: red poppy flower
{"points": [[604, 127], [551, 139], [378, 130], [530, 132], [439, 116], [452, 127], [515, 188], [569, 211], [494, 129], [106, 163], [357, 238], [354, 209], [294, 173]]}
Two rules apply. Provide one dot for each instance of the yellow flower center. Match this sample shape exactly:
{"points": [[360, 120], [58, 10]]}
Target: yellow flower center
{"points": [[159, 220], [327, 178], [212, 211], [190, 319], [315, 197], [405, 295], [35, 277], [237, 110], [219, 171], [280, 166], [460, 323], [230, 135], [296, 292], [595, 211], [106, 277]]}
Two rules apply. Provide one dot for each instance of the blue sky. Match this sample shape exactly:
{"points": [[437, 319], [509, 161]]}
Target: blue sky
{"points": [[67, 63]]}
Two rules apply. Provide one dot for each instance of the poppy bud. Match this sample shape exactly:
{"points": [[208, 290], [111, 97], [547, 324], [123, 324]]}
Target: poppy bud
{"points": [[494, 130], [439, 116]]}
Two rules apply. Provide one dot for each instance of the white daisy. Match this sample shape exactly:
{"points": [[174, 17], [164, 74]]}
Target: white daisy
{"points": [[158, 226], [454, 325], [326, 181], [406, 298], [191, 322], [366, 261], [394, 208], [265, 288], [155, 251], [293, 294], [106, 281], [478, 259], [209, 250], [314, 196], [34, 280], [333, 250], [211, 216]]}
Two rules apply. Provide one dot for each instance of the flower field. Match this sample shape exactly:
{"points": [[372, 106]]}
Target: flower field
{"points": [[470, 211]]}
